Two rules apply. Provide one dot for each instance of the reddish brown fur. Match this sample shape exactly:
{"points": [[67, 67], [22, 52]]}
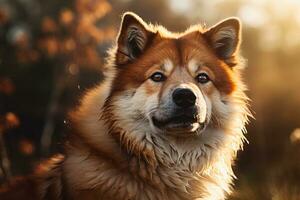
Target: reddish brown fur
{"points": [[179, 51]]}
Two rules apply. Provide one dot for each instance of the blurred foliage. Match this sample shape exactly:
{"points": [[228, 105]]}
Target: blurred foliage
{"points": [[52, 51]]}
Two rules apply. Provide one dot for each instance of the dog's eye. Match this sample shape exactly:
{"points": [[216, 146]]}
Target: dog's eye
{"points": [[158, 77], [202, 78]]}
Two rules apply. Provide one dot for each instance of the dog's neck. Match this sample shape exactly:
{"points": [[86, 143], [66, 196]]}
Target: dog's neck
{"points": [[94, 167], [163, 164]]}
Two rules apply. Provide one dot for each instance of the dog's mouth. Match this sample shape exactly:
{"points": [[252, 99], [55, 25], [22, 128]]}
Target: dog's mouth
{"points": [[178, 124]]}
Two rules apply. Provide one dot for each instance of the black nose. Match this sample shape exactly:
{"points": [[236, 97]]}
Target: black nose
{"points": [[184, 97]]}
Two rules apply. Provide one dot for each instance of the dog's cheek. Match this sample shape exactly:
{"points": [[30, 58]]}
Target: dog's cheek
{"points": [[208, 103], [150, 87], [122, 104], [220, 107], [141, 101], [147, 96], [151, 105]]}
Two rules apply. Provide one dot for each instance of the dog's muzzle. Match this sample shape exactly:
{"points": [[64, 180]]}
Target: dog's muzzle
{"points": [[184, 117]]}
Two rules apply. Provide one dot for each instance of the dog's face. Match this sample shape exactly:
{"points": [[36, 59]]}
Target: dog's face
{"points": [[174, 84]]}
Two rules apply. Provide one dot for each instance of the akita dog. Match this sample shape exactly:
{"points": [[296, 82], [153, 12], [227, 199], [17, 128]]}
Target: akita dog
{"points": [[165, 124]]}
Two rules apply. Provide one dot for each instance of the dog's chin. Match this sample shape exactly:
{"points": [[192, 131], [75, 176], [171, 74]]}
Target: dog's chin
{"points": [[179, 126]]}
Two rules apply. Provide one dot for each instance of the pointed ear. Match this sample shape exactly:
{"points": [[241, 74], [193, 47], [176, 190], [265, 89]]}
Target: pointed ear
{"points": [[225, 37], [133, 38]]}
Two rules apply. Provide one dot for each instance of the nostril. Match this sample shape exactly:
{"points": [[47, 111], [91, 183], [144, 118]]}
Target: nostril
{"points": [[184, 97]]}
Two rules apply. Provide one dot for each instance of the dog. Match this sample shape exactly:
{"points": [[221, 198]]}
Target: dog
{"points": [[165, 123]]}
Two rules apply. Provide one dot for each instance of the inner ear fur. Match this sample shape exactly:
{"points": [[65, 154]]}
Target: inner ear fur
{"points": [[225, 38], [133, 38]]}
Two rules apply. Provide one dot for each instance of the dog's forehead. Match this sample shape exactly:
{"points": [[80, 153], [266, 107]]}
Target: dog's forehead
{"points": [[192, 65], [187, 51], [186, 56]]}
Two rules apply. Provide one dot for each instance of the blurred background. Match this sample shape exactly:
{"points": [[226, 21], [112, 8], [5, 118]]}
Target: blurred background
{"points": [[51, 52]]}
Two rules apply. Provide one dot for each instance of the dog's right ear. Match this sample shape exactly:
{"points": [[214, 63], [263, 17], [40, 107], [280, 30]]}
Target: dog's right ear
{"points": [[133, 38]]}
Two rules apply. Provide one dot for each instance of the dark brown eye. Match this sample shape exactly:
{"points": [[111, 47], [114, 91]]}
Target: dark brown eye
{"points": [[202, 78], [158, 77]]}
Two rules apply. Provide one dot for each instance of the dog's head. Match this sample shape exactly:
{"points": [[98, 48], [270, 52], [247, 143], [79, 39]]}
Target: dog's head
{"points": [[177, 98], [174, 84]]}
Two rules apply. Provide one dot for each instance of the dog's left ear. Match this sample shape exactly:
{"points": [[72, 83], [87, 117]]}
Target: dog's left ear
{"points": [[225, 37], [133, 38]]}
